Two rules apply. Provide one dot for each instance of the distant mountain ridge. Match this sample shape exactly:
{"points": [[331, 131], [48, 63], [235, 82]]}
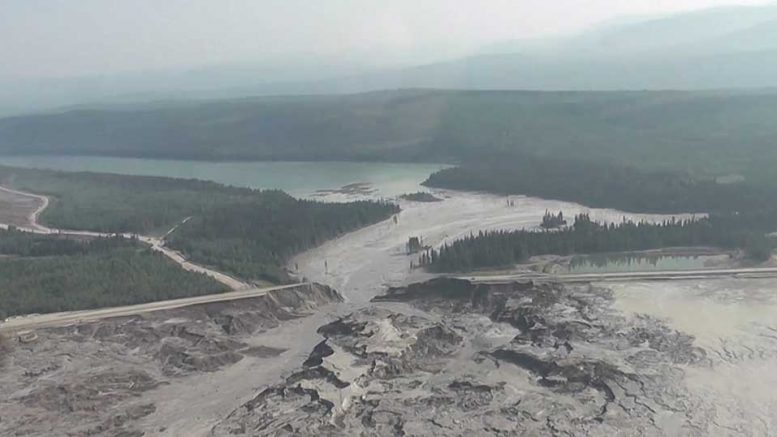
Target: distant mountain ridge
{"points": [[704, 132], [722, 48]]}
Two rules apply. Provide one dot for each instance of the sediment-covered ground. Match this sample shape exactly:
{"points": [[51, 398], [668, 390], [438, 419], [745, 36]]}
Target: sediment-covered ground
{"points": [[443, 360], [104, 377], [361, 264], [16, 209], [451, 358], [735, 322]]}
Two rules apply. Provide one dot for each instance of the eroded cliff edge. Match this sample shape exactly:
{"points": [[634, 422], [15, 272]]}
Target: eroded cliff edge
{"points": [[448, 357]]}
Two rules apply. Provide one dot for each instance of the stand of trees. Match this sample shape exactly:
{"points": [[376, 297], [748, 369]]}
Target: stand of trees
{"points": [[600, 185], [551, 221], [707, 132], [254, 240], [27, 244], [50, 273], [503, 248], [248, 233], [115, 203], [420, 197]]}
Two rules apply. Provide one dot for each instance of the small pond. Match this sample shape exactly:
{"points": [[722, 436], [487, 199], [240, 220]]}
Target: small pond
{"points": [[639, 263]]}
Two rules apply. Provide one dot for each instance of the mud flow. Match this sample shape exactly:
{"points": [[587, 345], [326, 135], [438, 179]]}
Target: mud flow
{"points": [[448, 357]]}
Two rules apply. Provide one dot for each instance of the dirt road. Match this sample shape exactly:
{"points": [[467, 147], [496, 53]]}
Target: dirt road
{"points": [[74, 317], [359, 265], [32, 217], [157, 244]]}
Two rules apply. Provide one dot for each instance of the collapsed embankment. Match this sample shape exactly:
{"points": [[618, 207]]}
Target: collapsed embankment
{"points": [[448, 357], [100, 377]]}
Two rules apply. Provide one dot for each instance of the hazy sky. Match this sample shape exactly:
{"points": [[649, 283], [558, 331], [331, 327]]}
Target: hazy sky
{"points": [[45, 38]]}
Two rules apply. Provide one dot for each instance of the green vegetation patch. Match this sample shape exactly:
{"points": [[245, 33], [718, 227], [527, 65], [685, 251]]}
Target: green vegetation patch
{"points": [[254, 240], [704, 133], [503, 248], [110, 203], [245, 232], [42, 274], [601, 185]]}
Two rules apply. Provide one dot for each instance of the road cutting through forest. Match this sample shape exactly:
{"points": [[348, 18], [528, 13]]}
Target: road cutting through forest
{"points": [[156, 244]]}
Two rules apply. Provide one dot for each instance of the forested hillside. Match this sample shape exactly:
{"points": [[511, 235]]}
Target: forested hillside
{"points": [[248, 233], [701, 133], [116, 203], [49, 273], [254, 240], [745, 231], [602, 185]]}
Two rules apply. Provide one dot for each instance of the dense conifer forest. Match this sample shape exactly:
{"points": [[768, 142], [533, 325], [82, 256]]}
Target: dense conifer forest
{"points": [[506, 248], [553, 221], [654, 131], [254, 240], [105, 202], [601, 185], [50, 273], [245, 232]]}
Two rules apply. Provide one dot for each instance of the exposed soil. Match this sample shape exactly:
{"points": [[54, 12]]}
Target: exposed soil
{"points": [[451, 358], [100, 378], [361, 264], [427, 361], [17, 209]]}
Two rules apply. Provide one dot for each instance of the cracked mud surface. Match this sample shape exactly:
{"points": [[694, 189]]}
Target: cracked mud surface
{"points": [[444, 359], [101, 378], [451, 358]]}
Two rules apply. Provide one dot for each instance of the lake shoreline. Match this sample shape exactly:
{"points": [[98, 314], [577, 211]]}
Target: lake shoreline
{"points": [[301, 179], [711, 257]]}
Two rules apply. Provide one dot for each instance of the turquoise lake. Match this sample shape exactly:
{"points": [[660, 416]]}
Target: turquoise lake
{"points": [[300, 179]]}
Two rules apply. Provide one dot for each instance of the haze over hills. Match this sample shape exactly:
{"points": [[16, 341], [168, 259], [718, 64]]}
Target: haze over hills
{"points": [[701, 132], [286, 75], [732, 47], [572, 234], [713, 29]]}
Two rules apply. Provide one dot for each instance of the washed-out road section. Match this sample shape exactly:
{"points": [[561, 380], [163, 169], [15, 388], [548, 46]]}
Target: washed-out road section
{"points": [[359, 265]]}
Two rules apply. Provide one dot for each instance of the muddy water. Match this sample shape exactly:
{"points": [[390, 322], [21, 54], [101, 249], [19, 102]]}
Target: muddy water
{"points": [[636, 263], [735, 321], [714, 311], [361, 264]]}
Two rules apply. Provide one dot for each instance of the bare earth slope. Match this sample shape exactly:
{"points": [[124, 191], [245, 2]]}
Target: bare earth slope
{"points": [[21, 209], [100, 378], [453, 359], [486, 360]]}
